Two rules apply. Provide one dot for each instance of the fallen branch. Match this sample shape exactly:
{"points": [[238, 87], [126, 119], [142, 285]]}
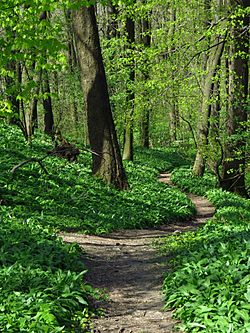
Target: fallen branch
{"points": [[30, 160], [70, 152]]}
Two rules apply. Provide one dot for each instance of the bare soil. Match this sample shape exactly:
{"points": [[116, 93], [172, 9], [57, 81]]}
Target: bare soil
{"points": [[130, 270]]}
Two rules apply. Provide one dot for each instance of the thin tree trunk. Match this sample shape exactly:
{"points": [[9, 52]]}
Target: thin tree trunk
{"points": [[203, 125], [33, 116], [215, 145], [73, 64], [47, 104], [72, 56], [106, 159], [145, 122], [145, 39], [174, 114], [128, 135], [11, 84]]}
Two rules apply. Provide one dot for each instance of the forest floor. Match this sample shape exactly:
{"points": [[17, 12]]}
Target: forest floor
{"points": [[130, 270]]}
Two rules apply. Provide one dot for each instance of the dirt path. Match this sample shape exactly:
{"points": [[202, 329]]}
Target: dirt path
{"points": [[125, 264]]}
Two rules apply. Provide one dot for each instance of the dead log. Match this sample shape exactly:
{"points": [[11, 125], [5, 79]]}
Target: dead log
{"points": [[65, 150]]}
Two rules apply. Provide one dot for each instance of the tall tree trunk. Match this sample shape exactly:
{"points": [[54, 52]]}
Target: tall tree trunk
{"points": [[128, 135], [145, 39], [73, 64], [203, 125], [47, 104], [216, 151], [47, 101], [106, 157], [11, 85], [72, 56], [174, 114], [233, 168], [32, 116], [174, 118], [145, 122]]}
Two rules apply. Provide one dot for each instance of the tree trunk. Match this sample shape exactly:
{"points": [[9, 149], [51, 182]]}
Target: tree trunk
{"points": [[145, 39], [11, 85], [73, 65], [203, 125], [233, 167], [128, 135], [173, 114], [72, 56], [106, 157], [145, 128], [33, 114], [128, 143], [215, 146], [47, 104]]}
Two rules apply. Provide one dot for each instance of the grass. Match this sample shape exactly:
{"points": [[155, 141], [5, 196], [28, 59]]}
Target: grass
{"points": [[42, 279], [209, 286]]}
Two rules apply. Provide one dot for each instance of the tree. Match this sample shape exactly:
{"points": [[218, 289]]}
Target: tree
{"points": [[173, 114], [128, 132], [106, 157], [145, 39], [233, 166], [47, 105], [31, 46], [216, 46]]}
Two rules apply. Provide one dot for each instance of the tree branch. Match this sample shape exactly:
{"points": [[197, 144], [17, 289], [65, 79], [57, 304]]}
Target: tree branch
{"points": [[205, 50], [191, 129], [30, 160]]}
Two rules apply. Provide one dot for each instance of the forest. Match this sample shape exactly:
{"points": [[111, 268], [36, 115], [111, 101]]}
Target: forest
{"points": [[99, 101]]}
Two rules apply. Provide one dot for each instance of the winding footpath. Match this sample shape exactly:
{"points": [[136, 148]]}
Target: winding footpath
{"points": [[130, 270]]}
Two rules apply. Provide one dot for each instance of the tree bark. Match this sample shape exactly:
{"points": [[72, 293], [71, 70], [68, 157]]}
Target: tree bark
{"points": [[173, 114], [106, 159], [203, 125], [11, 85], [145, 123], [47, 104], [145, 39], [233, 167], [128, 135]]}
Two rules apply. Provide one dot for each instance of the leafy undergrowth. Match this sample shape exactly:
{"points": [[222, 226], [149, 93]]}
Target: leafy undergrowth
{"points": [[209, 287], [41, 278], [185, 180], [69, 198]]}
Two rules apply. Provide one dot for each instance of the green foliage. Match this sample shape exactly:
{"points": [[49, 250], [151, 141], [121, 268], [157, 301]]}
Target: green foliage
{"points": [[209, 284], [41, 279], [184, 178], [5, 108], [70, 199]]}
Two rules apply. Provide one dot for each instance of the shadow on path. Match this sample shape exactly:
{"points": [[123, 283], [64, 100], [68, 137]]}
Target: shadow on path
{"points": [[130, 271]]}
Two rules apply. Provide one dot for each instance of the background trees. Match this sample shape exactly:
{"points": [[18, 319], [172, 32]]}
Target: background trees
{"points": [[178, 76]]}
